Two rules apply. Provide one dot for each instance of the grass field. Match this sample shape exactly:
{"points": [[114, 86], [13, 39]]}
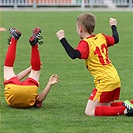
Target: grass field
{"points": [[63, 110]]}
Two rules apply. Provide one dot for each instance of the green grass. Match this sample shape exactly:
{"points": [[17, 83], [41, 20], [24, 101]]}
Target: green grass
{"points": [[63, 109]]}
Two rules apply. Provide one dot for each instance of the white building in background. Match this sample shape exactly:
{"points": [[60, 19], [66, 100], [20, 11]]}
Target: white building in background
{"points": [[66, 3]]}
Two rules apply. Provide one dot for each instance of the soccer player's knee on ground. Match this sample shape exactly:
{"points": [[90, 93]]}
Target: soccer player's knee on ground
{"points": [[89, 112]]}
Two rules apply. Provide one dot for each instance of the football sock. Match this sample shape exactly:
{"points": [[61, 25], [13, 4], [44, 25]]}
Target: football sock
{"points": [[109, 111], [114, 104], [11, 53], [131, 101], [35, 58]]}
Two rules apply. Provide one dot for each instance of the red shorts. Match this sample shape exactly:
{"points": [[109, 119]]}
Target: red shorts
{"points": [[15, 80], [105, 97]]}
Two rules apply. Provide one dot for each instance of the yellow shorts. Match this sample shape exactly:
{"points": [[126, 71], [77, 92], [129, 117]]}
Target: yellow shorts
{"points": [[106, 83], [20, 96], [106, 89]]}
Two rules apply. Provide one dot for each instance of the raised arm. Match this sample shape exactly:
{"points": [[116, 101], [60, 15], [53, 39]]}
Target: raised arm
{"points": [[52, 80], [24, 73], [73, 53], [113, 24]]}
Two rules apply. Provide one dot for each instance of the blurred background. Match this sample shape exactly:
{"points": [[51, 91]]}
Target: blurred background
{"points": [[67, 4]]}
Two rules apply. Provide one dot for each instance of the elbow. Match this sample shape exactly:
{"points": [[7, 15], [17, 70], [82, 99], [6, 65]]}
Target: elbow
{"points": [[116, 41], [73, 57]]}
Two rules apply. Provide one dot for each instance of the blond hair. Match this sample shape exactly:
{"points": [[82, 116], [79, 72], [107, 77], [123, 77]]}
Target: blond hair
{"points": [[87, 21]]}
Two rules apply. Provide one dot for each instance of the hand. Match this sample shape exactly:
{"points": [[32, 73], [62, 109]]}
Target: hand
{"points": [[60, 34], [53, 79], [113, 21]]}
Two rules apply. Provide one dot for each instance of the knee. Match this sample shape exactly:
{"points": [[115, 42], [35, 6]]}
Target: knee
{"points": [[89, 113]]}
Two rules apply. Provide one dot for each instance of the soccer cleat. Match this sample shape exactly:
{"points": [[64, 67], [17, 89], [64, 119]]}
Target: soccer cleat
{"points": [[34, 39], [129, 107], [14, 33]]}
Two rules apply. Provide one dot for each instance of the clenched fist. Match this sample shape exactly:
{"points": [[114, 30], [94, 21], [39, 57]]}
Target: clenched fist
{"points": [[113, 21], [60, 34]]}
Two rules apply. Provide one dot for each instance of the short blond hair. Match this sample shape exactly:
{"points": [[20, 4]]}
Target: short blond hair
{"points": [[88, 21]]}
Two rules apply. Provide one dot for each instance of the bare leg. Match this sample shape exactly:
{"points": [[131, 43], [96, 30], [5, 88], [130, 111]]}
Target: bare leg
{"points": [[91, 105], [11, 54], [35, 75], [35, 55], [8, 73]]}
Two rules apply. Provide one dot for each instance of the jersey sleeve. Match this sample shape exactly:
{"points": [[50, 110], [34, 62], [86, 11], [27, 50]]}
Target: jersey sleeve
{"points": [[110, 40], [83, 49]]}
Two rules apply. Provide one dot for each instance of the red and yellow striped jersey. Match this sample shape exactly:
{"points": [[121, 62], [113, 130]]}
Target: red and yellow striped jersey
{"points": [[94, 50]]}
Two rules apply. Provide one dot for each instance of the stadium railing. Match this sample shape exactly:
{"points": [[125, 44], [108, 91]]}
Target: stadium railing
{"points": [[66, 3]]}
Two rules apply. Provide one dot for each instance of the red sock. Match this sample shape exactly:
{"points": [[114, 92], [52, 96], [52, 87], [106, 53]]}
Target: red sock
{"points": [[109, 111], [131, 101], [35, 58], [114, 104], [11, 53]]}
